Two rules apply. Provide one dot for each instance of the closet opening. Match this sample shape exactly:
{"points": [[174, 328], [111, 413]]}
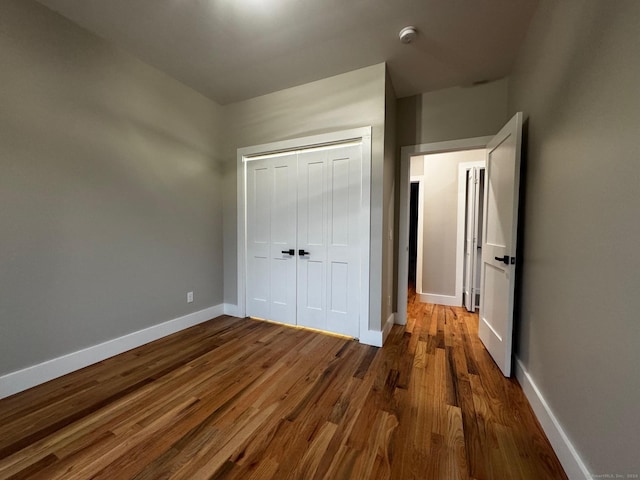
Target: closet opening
{"points": [[303, 232]]}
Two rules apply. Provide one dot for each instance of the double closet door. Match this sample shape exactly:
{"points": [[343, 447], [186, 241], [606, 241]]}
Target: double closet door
{"points": [[303, 238]]}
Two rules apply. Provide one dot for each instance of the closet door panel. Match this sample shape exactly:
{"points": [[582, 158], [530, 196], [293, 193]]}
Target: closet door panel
{"points": [[344, 192], [312, 239], [271, 234], [258, 239]]}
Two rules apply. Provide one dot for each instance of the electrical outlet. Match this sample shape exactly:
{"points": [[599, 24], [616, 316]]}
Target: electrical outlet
{"points": [[189, 297], [388, 300]]}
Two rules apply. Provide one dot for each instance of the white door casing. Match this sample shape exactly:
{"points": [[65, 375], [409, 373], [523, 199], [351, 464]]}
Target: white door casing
{"points": [[500, 226]]}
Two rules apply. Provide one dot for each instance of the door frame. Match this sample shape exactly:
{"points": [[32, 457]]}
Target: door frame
{"points": [[403, 235], [245, 154]]}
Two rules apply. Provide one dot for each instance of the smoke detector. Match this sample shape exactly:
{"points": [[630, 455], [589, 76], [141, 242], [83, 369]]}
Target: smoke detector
{"points": [[407, 34]]}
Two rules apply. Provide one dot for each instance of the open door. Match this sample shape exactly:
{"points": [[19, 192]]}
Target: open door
{"points": [[472, 219], [469, 240], [500, 226]]}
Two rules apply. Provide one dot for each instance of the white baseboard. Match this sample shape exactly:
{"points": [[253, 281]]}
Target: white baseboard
{"points": [[573, 465], [371, 337], [399, 319], [377, 338], [231, 310], [386, 329], [26, 378], [449, 300]]}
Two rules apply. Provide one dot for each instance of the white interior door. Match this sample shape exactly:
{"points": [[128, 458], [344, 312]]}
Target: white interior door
{"points": [[478, 233], [469, 237], [329, 196], [271, 238], [500, 224]]}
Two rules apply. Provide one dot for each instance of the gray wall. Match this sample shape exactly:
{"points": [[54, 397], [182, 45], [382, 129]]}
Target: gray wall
{"points": [[453, 114], [578, 336], [389, 261], [110, 203], [350, 100], [440, 218]]}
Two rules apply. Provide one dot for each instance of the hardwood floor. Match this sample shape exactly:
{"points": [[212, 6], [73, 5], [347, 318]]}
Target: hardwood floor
{"points": [[242, 399]]}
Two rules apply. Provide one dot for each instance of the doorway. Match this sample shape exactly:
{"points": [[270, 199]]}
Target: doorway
{"points": [[303, 237], [443, 201], [413, 233], [303, 233], [499, 235], [408, 156]]}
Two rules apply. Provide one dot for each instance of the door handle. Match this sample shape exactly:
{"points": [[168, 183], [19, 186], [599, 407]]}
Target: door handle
{"points": [[302, 253], [506, 260], [291, 252]]}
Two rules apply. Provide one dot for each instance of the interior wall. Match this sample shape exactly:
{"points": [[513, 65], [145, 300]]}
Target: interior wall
{"points": [[351, 100], [389, 261], [453, 114], [440, 218], [577, 79], [110, 191]]}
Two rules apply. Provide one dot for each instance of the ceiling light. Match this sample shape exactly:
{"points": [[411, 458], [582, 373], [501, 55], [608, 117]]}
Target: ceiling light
{"points": [[407, 34]]}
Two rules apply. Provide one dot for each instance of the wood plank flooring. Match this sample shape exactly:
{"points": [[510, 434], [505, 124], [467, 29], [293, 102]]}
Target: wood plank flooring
{"points": [[241, 399]]}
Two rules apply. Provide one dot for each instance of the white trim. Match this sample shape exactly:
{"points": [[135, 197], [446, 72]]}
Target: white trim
{"points": [[573, 465], [231, 310], [371, 337], [377, 338], [386, 330], [315, 141], [21, 380], [403, 242], [449, 300]]}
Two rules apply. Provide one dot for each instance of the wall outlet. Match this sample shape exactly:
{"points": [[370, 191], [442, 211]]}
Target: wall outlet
{"points": [[388, 300], [189, 297]]}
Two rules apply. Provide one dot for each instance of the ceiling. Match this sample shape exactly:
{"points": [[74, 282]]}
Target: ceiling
{"points": [[231, 50]]}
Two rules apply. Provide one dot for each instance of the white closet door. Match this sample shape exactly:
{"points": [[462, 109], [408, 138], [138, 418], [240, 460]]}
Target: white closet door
{"points": [[329, 195], [271, 238], [312, 239]]}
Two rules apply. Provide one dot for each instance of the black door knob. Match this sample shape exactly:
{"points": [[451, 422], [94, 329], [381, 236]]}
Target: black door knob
{"points": [[504, 259], [291, 252], [302, 253]]}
